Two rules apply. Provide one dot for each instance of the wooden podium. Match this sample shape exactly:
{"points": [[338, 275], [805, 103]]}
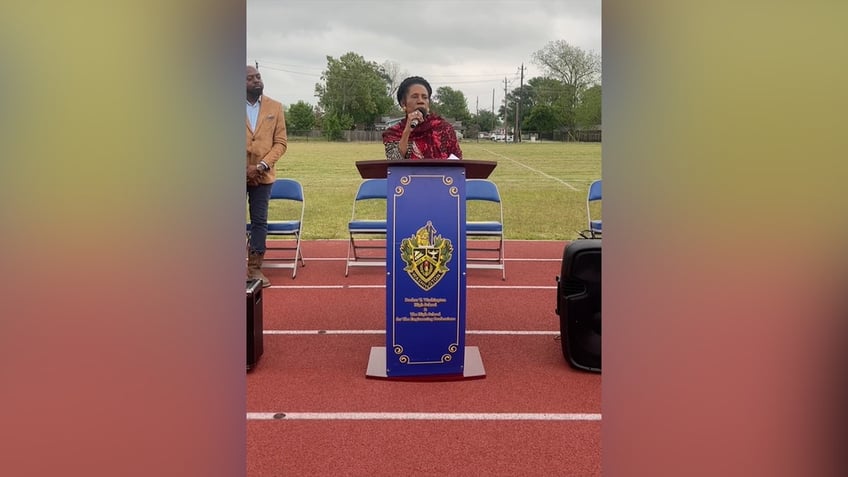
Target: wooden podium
{"points": [[425, 270]]}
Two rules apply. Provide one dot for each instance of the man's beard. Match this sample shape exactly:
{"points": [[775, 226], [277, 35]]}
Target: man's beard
{"points": [[257, 91]]}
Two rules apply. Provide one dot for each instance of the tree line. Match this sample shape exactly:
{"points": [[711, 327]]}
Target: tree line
{"points": [[354, 93]]}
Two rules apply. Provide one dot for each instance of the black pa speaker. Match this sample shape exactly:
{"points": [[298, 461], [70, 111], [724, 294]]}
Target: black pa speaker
{"points": [[579, 304], [254, 322]]}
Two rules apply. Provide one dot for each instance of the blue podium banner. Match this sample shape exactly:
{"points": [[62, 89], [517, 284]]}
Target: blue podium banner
{"points": [[425, 263]]}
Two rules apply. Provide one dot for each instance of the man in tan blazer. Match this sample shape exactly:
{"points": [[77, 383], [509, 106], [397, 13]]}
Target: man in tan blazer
{"points": [[266, 143]]}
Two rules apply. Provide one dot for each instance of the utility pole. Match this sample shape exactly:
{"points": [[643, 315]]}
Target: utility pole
{"points": [[517, 136], [506, 129], [477, 113], [257, 64], [493, 111]]}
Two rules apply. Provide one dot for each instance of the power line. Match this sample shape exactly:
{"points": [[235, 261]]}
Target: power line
{"points": [[290, 71], [265, 62], [484, 78]]}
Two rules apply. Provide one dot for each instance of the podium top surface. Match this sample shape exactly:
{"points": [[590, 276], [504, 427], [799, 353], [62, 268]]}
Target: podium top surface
{"points": [[473, 169]]}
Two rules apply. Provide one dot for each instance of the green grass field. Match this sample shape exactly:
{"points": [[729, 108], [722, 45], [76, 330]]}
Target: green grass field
{"points": [[543, 185]]}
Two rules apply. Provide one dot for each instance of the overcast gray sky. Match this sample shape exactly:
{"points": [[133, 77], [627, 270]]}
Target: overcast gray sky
{"points": [[469, 45]]}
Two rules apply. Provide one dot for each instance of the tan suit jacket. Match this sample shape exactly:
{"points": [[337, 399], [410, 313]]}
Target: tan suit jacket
{"points": [[268, 142]]}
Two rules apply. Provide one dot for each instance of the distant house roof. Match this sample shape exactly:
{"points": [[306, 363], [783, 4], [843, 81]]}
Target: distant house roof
{"points": [[387, 123]]}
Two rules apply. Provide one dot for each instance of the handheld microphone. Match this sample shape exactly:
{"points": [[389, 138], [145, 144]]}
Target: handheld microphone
{"points": [[416, 122]]}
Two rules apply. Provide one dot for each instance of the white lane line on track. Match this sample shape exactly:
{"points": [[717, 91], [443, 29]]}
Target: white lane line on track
{"points": [[342, 259], [422, 416], [382, 332], [312, 287], [485, 287], [515, 287], [534, 170]]}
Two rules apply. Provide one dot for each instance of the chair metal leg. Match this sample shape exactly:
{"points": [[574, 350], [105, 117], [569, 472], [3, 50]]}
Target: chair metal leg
{"points": [[347, 262], [503, 260], [297, 256]]}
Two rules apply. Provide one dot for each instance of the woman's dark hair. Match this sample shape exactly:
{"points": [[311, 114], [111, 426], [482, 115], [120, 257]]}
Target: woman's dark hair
{"points": [[405, 84]]}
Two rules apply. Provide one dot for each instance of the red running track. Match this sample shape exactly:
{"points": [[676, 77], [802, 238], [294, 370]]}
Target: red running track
{"points": [[312, 412]]}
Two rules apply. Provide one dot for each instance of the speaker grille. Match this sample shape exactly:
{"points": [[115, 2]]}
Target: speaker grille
{"points": [[572, 287]]}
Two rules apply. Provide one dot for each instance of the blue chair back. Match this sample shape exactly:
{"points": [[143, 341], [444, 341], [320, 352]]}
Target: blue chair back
{"points": [[481, 189], [595, 191], [372, 189], [287, 189], [595, 223]]}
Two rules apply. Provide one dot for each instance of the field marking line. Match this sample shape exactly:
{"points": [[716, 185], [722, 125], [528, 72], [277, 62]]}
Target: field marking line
{"points": [[382, 332], [534, 170], [422, 416]]}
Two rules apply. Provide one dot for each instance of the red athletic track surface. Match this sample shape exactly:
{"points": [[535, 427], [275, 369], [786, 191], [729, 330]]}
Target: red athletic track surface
{"points": [[324, 372]]}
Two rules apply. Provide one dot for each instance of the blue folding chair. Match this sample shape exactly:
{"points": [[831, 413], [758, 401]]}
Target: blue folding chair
{"points": [[285, 220], [594, 196], [365, 228], [484, 224]]}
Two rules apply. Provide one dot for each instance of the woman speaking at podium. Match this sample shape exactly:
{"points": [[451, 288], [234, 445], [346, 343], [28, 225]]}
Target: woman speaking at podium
{"points": [[421, 134]]}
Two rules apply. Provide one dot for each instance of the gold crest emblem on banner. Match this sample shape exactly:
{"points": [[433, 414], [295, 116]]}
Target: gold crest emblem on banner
{"points": [[426, 255]]}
